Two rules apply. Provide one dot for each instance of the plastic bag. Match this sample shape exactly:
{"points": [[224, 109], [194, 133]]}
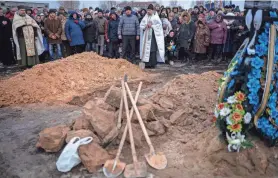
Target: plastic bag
{"points": [[69, 157]]}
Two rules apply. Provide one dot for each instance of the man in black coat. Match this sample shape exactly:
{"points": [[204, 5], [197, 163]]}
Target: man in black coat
{"points": [[6, 52], [90, 33], [111, 35]]}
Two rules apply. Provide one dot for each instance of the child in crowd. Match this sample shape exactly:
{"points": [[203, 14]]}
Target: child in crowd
{"points": [[170, 44]]}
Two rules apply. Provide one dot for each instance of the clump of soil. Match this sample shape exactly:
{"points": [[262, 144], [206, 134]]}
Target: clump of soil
{"points": [[63, 79], [189, 100]]}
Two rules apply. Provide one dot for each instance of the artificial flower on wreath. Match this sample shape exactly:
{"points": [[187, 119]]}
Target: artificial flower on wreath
{"points": [[233, 115]]}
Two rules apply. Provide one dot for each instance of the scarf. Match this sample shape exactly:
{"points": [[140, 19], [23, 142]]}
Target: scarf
{"points": [[27, 24]]}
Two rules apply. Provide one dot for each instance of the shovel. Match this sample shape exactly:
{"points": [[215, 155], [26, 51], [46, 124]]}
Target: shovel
{"points": [[114, 168], [137, 169], [155, 160], [119, 124]]}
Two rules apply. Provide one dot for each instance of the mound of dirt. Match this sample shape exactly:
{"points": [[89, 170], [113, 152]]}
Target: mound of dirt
{"points": [[192, 144], [63, 79]]}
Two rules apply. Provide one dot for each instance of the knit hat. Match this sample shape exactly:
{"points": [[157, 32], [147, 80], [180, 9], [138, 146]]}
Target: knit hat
{"points": [[107, 11], [151, 7], [128, 8], [21, 7], [61, 8], [52, 11], [100, 10]]}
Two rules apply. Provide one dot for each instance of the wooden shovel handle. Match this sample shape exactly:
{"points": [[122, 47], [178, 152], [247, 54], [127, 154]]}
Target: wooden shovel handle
{"points": [[125, 131], [119, 124], [134, 155], [140, 120]]}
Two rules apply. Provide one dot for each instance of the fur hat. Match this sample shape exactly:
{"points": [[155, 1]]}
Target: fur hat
{"points": [[52, 11], [128, 8], [21, 7], [150, 7]]}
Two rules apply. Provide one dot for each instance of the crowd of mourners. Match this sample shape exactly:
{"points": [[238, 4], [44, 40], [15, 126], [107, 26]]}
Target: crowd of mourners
{"points": [[29, 37]]}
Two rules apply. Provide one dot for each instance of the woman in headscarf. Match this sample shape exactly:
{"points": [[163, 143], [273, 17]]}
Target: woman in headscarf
{"points": [[218, 35], [185, 35], [6, 52], [201, 40], [73, 30], [142, 13]]}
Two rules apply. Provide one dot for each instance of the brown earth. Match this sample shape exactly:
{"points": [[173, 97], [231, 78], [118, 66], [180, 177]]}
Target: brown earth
{"points": [[63, 79], [182, 103]]}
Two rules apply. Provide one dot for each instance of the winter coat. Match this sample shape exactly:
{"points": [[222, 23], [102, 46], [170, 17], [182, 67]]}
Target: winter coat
{"points": [[201, 40], [111, 31], [166, 25], [63, 35], [74, 31], [232, 28], [90, 31], [186, 33], [168, 40], [194, 17], [41, 24], [101, 25], [240, 34], [174, 23], [218, 34], [129, 25], [142, 15], [53, 27], [210, 19]]}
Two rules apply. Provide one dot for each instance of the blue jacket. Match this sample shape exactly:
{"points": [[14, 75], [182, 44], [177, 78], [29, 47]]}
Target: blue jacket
{"points": [[74, 31], [112, 29]]}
